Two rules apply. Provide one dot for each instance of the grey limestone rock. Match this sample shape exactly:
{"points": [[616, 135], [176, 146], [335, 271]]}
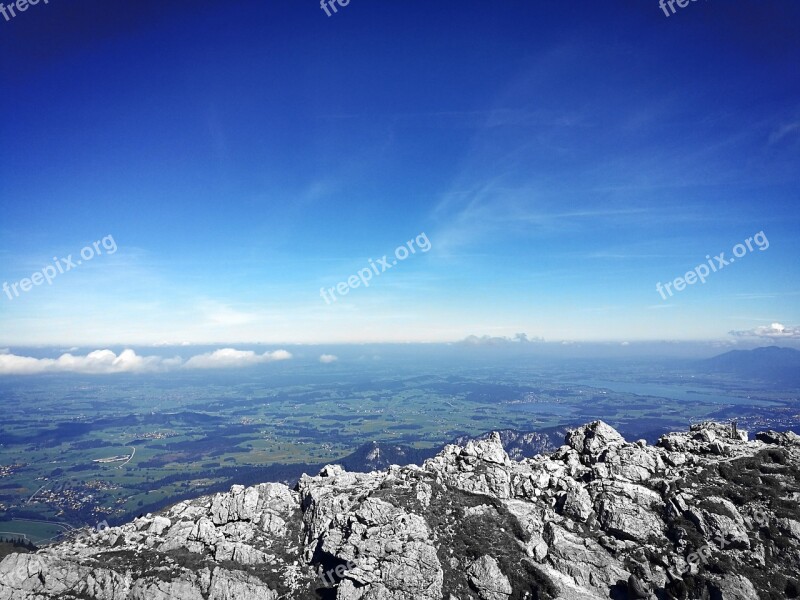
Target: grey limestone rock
{"points": [[706, 513]]}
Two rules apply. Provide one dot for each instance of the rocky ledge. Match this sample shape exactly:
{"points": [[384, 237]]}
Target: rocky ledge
{"points": [[703, 514]]}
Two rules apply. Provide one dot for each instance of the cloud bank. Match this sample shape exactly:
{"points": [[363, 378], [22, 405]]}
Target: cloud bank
{"points": [[326, 359], [774, 331], [105, 362], [229, 358], [519, 338]]}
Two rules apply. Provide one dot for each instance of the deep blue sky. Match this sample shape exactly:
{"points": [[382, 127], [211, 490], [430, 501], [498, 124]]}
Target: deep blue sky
{"points": [[561, 157]]}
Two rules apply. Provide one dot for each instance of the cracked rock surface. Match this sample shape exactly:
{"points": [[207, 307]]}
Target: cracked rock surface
{"points": [[706, 514]]}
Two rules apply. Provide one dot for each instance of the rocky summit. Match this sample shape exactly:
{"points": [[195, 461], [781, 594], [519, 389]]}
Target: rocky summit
{"points": [[703, 514]]}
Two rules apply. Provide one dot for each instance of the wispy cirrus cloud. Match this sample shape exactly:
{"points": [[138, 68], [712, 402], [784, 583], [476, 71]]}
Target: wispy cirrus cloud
{"points": [[783, 131], [216, 313]]}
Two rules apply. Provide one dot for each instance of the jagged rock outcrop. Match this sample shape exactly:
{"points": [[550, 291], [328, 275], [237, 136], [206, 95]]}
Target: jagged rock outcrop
{"points": [[523, 444], [704, 514]]}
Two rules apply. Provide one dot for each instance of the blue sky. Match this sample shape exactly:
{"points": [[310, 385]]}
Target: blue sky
{"points": [[562, 159]]}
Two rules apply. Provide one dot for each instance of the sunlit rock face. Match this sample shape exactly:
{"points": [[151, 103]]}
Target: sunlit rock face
{"points": [[702, 514]]}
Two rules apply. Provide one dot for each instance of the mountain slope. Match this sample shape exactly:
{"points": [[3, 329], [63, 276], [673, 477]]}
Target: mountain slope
{"points": [[703, 514], [375, 456], [770, 363]]}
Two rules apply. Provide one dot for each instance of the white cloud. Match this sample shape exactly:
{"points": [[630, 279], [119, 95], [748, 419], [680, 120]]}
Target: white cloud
{"points": [[97, 362], [328, 358], [230, 358], [5, 350], [102, 362], [774, 331]]}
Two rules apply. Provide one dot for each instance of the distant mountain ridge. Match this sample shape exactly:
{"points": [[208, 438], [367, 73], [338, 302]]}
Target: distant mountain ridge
{"points": [[522, 444], [375, 456], [770, 363]]}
